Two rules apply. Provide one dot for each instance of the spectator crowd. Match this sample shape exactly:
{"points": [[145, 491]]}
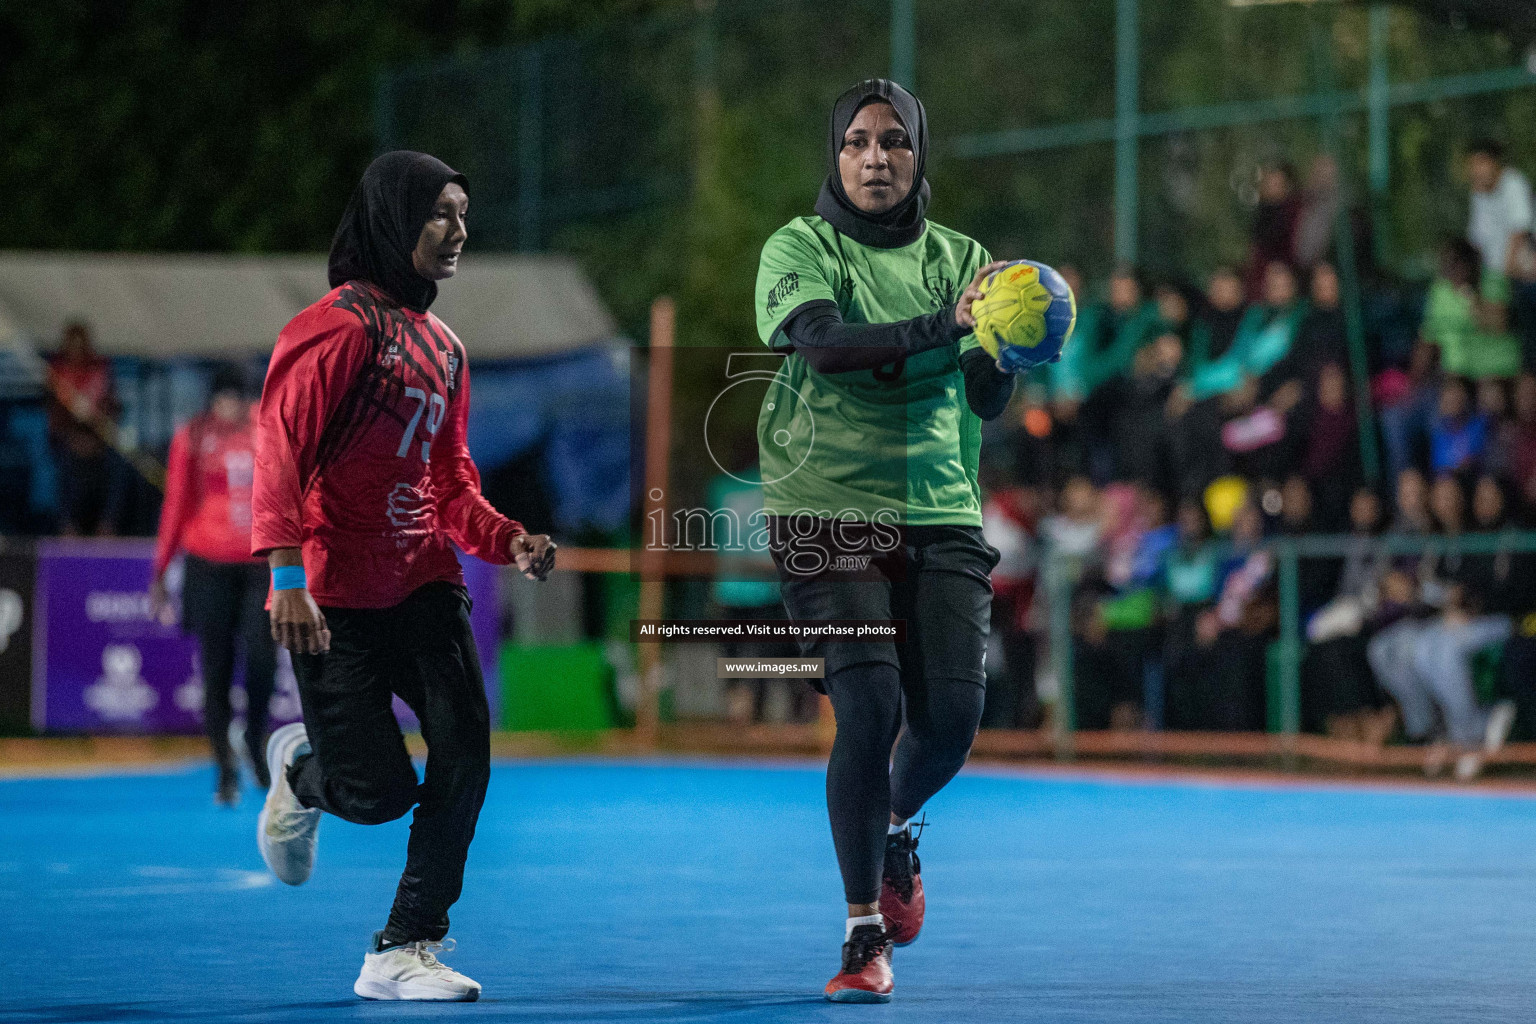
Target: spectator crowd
{"points": [[1185, 425]]}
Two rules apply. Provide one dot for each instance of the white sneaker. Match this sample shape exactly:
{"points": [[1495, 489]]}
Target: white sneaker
{"points": [[413, 971], [1500, 720], [285, 831]]}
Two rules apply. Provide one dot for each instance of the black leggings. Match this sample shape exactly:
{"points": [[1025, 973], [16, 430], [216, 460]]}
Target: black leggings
{"points": [[222, 603], [423, 650], [937, 579]]}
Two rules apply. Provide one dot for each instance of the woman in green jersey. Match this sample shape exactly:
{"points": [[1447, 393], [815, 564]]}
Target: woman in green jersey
{"points": [[870, 436]]}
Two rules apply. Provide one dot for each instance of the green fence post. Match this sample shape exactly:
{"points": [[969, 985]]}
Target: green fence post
{"points": [[1290, 643], [1127, 127], [1379, 101], [904, 43], [1058, 578], [1379, 131]]}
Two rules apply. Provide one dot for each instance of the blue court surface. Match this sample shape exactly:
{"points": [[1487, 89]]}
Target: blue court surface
{"points": [[708, 892]]}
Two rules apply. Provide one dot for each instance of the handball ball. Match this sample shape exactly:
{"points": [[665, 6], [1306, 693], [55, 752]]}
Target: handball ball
{"points": [[1028, 306]]}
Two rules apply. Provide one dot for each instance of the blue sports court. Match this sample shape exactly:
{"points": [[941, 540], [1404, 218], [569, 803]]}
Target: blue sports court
{"points": [[698, 891]]}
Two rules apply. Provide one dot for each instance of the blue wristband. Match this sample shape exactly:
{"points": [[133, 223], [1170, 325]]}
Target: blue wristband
{"points": [[289, 577]]}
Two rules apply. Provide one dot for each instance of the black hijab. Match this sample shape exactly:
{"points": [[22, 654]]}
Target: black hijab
{"points": [[902, 224], [382, 222]]}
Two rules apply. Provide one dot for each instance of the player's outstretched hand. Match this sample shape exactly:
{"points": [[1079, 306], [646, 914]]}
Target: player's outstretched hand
{"points": [[972, 292], [534, 554], [298, 623]]}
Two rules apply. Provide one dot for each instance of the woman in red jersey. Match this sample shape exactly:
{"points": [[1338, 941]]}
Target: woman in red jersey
{"points": [[207, 514], [364, 484]]}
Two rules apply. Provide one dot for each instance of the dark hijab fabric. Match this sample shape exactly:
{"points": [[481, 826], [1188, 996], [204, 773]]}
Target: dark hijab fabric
{"points": [[903, 223], [383, 221]]}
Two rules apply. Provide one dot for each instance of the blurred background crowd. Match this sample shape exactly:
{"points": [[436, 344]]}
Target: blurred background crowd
{"points": [[1224, 410]]}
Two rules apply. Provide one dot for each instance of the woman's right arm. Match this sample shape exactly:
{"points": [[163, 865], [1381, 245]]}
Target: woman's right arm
{"points": [[831, 346], [818, 333], [316, 359]]}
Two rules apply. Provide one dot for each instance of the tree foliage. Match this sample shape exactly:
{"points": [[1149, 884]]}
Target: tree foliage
{"points": [[216, 124]]}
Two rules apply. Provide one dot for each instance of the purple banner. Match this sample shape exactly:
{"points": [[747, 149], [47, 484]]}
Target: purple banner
{"points": [[103, 662]]}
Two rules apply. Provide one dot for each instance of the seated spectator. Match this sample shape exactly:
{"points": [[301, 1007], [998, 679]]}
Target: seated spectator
{"points": [[1231, 638], [1442, 676], [1519, 445], [1519, 677], [1189, 565], [1412, 504], [1522, 281], [1493, 406], [1317, 578], [1466, 316], [1321, 337], [1508, 579], [1425, 663], [1255, 436], [1010, 519], [1338, 693], [1174, 311], [1264, 337], [1106, 338], [1458, 438], [1100, 360], [1074, 530], [81, 405], [1118, 610], [1408, 400], [1214, 329], [1189, 583], [1503, 581], [1329, 446], [1138, 414]]}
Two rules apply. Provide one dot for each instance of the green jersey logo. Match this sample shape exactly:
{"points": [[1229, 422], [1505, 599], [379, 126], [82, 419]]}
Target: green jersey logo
{"points": [[787, 286]]}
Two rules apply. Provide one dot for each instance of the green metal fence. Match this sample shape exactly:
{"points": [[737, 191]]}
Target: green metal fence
{"points": [[568, 129], [662, 152]]}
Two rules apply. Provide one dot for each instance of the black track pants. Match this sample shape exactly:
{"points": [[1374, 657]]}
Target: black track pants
{"points": [[423, 650], [221, 604], [937, 579]]}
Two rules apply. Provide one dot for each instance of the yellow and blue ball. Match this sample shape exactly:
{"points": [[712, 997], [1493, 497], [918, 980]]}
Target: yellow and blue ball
{"points": [[1025, 314]]}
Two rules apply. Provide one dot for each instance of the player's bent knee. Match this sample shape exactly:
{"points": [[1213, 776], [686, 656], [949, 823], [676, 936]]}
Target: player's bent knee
{"points": [[382, 801]]}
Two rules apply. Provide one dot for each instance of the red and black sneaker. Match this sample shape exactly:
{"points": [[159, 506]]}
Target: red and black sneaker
{"points": [[901, 891], [866, 974]]}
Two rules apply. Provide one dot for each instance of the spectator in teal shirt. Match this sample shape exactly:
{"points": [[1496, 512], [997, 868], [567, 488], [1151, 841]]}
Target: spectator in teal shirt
{"points": [[1264, 336]]}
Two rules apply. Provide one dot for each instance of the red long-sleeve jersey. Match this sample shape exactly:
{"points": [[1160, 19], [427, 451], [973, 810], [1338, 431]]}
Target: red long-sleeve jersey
{"points": [[207, 506], [361, 458]]}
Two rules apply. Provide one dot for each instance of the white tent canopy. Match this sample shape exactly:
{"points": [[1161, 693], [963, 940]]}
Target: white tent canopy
{"points": [[167, 306]]}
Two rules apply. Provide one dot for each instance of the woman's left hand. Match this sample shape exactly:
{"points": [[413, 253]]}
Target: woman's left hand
{"points": [[534, 554], [972, 292]]}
